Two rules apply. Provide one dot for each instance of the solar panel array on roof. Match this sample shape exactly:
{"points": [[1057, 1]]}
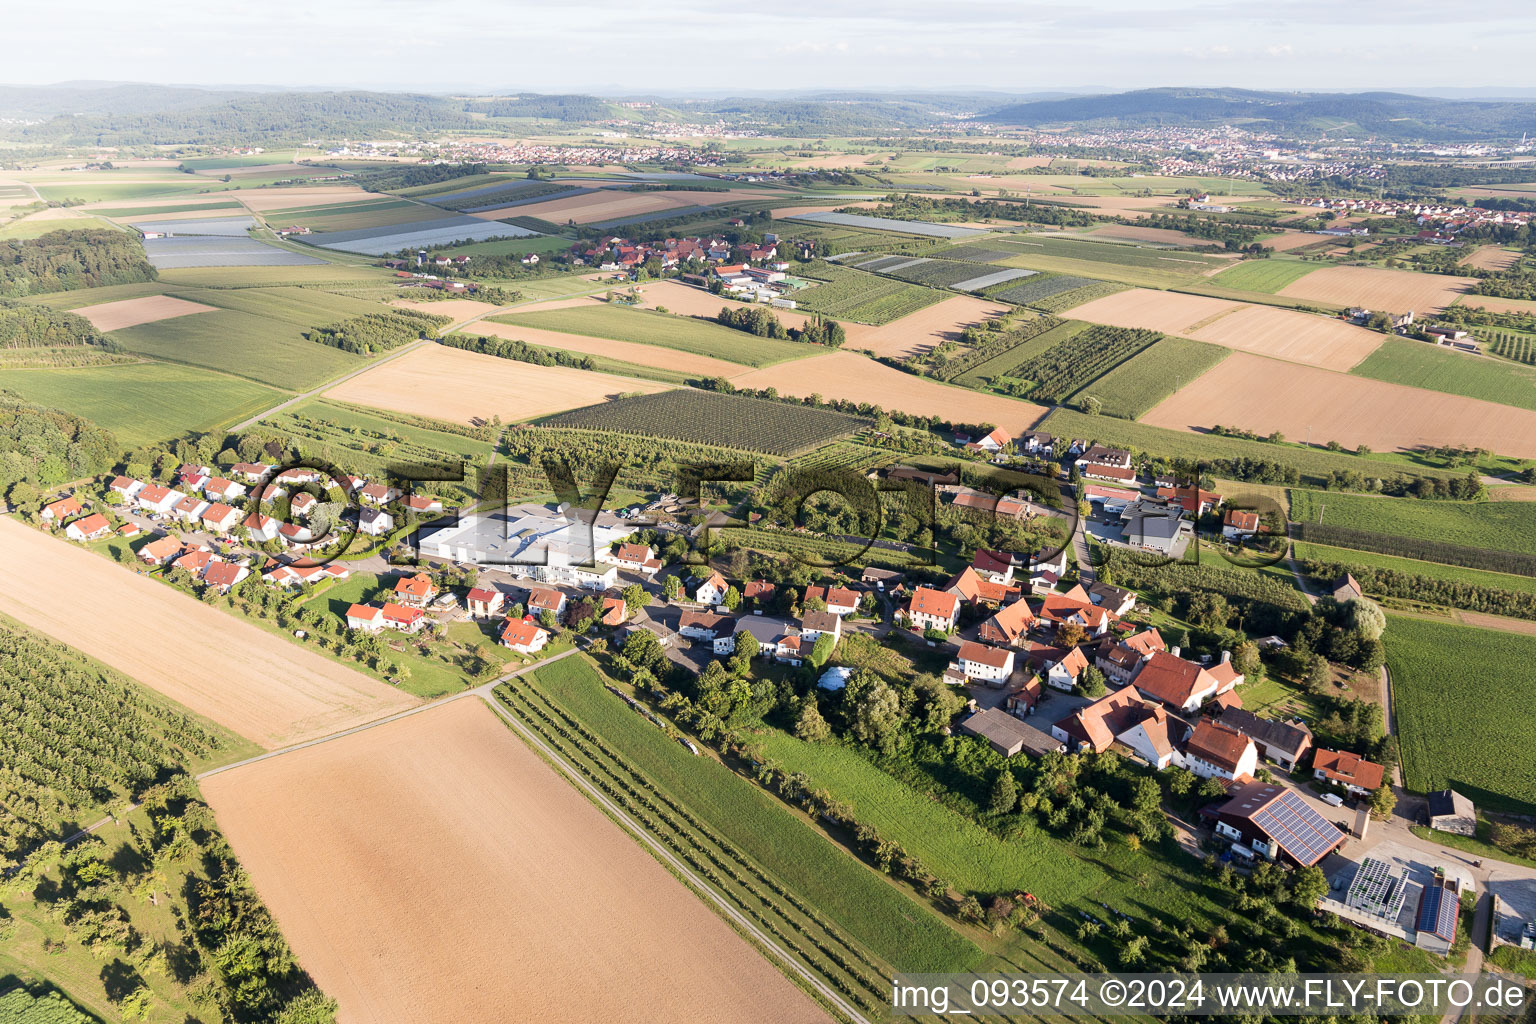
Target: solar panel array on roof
{"points": [[1379, 888], [1437, 911], [1300, 831]]}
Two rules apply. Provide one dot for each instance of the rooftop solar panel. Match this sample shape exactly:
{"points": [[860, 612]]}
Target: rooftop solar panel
{"points": [[1300, 830], [1437, 911]]}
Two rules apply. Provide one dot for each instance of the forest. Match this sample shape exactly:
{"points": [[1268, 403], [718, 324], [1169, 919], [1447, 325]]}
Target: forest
{"points": [[42, 447], [66, 260], [24, 326]]}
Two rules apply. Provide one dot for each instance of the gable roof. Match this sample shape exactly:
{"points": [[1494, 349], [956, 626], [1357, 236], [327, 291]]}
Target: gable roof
{"points": [[519, 633], [1217, 744], [1293, 737], [984, 654], [1099, 723], [419, 585], [1172, 680], [1349, 768], [1009, 622], [926, 601], [1285, 818], [545, 599], [1147, 641]]}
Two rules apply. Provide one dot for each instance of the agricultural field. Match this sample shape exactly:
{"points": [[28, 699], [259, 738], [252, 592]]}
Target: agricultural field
{"points": [[1494, 304], [1263, 330], [1396, 291], [982, 373], [113, 316], [1267, 276], [144, 401], [668, 360], [1129, 264], [1422, 365], [941, 273], [647, 327], [465, 387], [257, 684], [1151, 375], [769, 835], [371, 212], [1492, 257], [1308, 404], [930, 326], [604, 205], [1054, 293], [485, 196], [1498, 525], [1518, 348], [1081, 359], [686, 300], [420, 923], [1452, 682], [728, 421], [1151, 236], [1416, 567], [909, 227], [854, 378], [851, 295]]}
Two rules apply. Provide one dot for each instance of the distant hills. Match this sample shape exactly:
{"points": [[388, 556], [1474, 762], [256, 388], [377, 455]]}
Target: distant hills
{"points": [[125, 114], [1380, 114]]}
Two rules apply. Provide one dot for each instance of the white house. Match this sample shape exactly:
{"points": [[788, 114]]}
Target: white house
{"points": [[260, 528], [814, 624], [88, 527], [523, 636], [1220, 751], [933, 609], [991, 665], [712, 590], [484, 602], [126, 486], [157, 499], [366, 617], [1239, 523], [838, 600], [1064, 672], [375, 522]]}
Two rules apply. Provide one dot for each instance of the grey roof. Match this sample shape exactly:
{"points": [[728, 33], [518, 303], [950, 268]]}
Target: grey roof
{"points": [[820, 622], [1287, 736], [1448, 802], [1007, 731]]}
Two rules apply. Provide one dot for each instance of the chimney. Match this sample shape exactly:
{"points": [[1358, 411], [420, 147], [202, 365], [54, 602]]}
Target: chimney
{"points": [[1226, 657], [1175, 650]]}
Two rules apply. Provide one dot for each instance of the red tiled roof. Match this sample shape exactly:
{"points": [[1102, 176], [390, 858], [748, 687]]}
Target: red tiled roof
{"points": [[1342, 766], [926, 601], [519, 633], [1172, 680], [982, 654], [1217, 744]]}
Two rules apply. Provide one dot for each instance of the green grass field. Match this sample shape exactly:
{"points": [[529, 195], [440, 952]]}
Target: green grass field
{"points": [[1421, 365], [31, 227], [1267, 276], [1460, 697], [1503, 525], [1434, 570], [365, 213], [142, 402], [262, 348], [93, 189], [1151, 375], [1128, 264], [622, 323], [261, 277], [891, 924], [145, 211]]}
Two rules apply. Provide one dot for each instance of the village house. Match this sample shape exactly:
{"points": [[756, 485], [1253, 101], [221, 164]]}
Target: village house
{"points": [[1239, 523], [1273, 822], [1121, 661], [1057, 610], [221, 575], [190, 509], [1035, 442], [1115, 600], [1009, 624], [711, 591], [976, 591], [424, 504], [194, 560], [296, 575], [158, 500], [523, 636], [1096, 727], [1215, 750], [1180, 685], [613, 612], [993, 566], [1285, 743], [160, 551], [837, 600], [128, 530], [1192, 500], [260, 528], [990, 665], [484, 602], [375, 522], [1064, 672], [303, 503], [633, 558], [1357, 775], [219, 518], [415, 591], [994, 441], [250, 472], [759, 592], [125, 486], [60, 510], [403, 618], [932, 609], [813, 624], [91, 527], [217, 488], [546, 599], [378, 494], [710, 626], [366, 617], [1449, 811]]}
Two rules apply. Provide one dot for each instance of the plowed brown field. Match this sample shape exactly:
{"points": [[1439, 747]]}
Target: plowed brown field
{"points": [[265, 688], [1396, 291], [1309, 404], [112, 316], [433, 870]]}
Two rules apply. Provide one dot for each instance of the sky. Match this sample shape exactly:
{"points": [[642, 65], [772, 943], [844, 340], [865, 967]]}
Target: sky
{"points": [[630, 47]]}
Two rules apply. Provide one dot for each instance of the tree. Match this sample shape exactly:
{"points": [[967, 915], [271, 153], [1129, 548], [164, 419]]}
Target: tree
{"points": [[821, 651], [1383, 800], [810, 725], [1308, 885], [1091, 682], [1005, 792], [1366, 618], [1070, 634], [635, 597], [643, 650], [732, 599], [874, 711], [1318, 676], [673, 587], [1245, 658], [747, 647]]}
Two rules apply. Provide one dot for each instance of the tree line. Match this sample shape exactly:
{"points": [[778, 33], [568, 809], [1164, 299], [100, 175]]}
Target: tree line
{"points": [[66, 260], [759, 321], [27, 326], [373, 333]]}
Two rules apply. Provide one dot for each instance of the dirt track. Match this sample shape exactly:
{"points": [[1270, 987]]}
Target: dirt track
{"points": [[433, 869], [264, 687]]}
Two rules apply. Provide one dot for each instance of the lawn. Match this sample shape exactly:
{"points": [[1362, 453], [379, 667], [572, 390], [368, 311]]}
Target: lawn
{"points": [[1421, 365], [648, 327], [1267, 276], [1461, 701], [1151, 375], [366, 213], [143, 402], [1502, 525], [1434, 570], [892, 925]]}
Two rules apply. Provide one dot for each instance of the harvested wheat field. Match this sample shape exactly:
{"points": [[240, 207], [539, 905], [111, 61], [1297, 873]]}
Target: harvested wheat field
{"points": [[1131, 233], [790, 211], [686, 300], [433, 870], [1396, 291], [856, 378], [264, 199], [1264, 330], [1491, 257], [459, 309], [262, 686], [452, 384], [1306, 403], [114, 316], [1494, 304], [1512, 492], [1294, 240], [624, 351], [925, 328]]}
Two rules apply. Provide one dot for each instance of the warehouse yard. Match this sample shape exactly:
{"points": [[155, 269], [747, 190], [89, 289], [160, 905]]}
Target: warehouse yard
{"points": [[1309, 404], [434, 870]]}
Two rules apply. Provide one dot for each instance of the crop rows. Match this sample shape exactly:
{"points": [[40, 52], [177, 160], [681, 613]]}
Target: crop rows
{"points": [[1519, 347], [517, 191], [863, 298], [1153, 374], [1113, 253], [1001, 347], [845, 454], [1063, 301], [703, 417], [939, 273], [1082, 359], [1487, 559], [1042, 286], [977, 254], [1496, 525]]}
